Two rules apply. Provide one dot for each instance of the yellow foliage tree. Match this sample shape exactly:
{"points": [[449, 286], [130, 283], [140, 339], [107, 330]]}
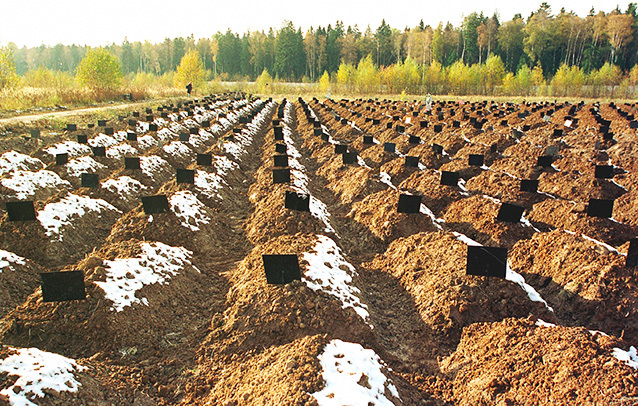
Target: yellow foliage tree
{"points": [[324, 82], [99, 70], [190, 69]]}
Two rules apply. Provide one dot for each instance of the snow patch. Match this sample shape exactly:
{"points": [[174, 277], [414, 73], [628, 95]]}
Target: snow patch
{"points": [[628, 357], [466, 240], [25, 184], [120, 151], [178, 149], [346, 367], [8, 258], [36, 371], [57, 216], [189, 209], [153, 166], [534, 296], [77, 166], [12, 161], [158, 263], [209, 183], [68, 147], [125, 186], [328, 271]]}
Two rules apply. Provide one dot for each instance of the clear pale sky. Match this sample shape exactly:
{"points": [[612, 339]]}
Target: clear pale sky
{"points": [[36, 22]]}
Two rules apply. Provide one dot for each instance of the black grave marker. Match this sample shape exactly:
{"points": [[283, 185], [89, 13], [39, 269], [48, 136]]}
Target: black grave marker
{"points": [[99, 151], [367, 139], [437, 149], [476, 160], [155, 204], [409, 204], [101, 123], [34, 133], [389, 147], [317, 131], [281, 269], [486, 261], [90, 180], [604, 172], [71, 127], [184, 137], [449, 178], [131, 136], [61, 159], [349, 158], [280, 161], [281, 148], [204, 159], [132, 162], [82, 139], [152, 127], [438, 128], [108, 131], [600, 208], [20, 211], [632, 254], [279, 133], [62, 286], [281, 175], [411, 161], [529, 185], [510, 213], [186, 176], [341, 148], [414, 139], [297, 201], [545, 161]]}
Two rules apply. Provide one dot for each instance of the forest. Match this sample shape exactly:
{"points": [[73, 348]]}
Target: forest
{"points": [[542, 54]]}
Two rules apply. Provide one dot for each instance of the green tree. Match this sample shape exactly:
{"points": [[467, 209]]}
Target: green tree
{"points": [[190, 69], [99, 70], [290, 60], [8, 76]]}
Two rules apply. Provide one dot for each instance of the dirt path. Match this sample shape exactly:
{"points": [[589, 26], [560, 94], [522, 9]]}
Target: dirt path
{"points": [[65, 113]]}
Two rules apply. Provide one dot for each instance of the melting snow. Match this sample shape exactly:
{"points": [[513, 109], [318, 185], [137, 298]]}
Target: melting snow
{"points": [[344, 366], [70, 147], [25, 184], [436, 221], [209, 183], [465, 239], [125, 186], [120, 151], [56, 216], [534, 296], [329, 271], [14, 161], [178, 149], [8, 258], [189, 209], [628, 357], [38, 370], [103, 140], [146, 142], [81, 165], [157, 264], [153, 166], [384, 177]]}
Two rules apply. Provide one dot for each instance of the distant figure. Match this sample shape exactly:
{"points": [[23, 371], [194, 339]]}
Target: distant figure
{"points": [[189, 88], [428, 102]]}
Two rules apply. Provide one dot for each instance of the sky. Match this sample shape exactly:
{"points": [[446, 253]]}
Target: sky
{"points": [[83, 22]]}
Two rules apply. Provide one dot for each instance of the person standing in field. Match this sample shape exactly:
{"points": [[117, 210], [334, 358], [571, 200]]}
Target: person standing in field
{"points": [[189, 88]]}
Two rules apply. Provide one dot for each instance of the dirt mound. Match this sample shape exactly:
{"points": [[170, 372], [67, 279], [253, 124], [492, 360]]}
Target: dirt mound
{"points": [[504, 187], [585, 283], [427, 183], [19, 277], [284, 374], [261, 315], [574, 185], [476, 217], [378, 213], [397, 170], [517, 362], [143, 299], [553, 213], [349, 183], [431, 267], [67, 227]]}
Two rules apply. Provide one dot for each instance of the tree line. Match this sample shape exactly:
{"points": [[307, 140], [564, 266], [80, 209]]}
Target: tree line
{"points": [[542, 43]]}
